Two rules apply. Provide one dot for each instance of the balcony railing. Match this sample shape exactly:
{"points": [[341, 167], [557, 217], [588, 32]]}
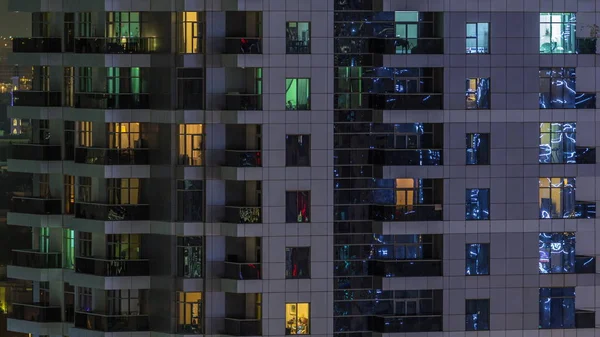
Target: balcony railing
{"points": [[243, 158], [425, 45], [243, 327], [40, 152], [243, 45], [406, 213], [417, 101], [391, 324], [106, 212], [37, 45], [111, 323], [38, 206], [297, 46], [36, 259], [397, 157], [243, 214], [585, 264], [112, 101], [36, 312], [585, 319], [405, 268], [119, 45], [585, 155], [104, 267], [242, 271], [243, 102], [103, 156], [36, 98]]}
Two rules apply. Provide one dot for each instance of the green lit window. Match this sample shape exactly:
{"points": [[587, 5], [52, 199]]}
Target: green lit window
{"points": [[123, 24], [297, 94], [44, 244], [68, 248], [557, 33]]}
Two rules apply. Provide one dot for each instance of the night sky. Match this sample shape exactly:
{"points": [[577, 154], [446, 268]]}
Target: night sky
{"points": [[14, 24]]}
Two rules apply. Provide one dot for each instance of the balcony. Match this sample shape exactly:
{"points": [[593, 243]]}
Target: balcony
{"points": [[119, 45], [112, 101], [243, 214], [425, 45], [36, 98], [111, 323], [406, 213], [106, 212], [391, 324], [36, 259], [36, 152], [242, 271], [585, 319], [104, 156], [243, 45], [236, 101], [405, 268], [586, 46], [37, 206], [585, 100], [585, 264], [417, 101], [111, 268], [37, 45], [36, 312], [583, 210], [243, 158], [243, 327], [408, 157]]}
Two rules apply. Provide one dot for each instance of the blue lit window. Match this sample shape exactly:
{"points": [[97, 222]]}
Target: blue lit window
{"points": [[478, 315], [478, 93], [478, 259], [558, 143], [478, 148], [557, 253], [557, 198], [478, 38], [557, 88], [477, 204], [557, 308]]}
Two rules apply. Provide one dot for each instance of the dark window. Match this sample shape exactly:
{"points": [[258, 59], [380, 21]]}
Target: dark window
{"points": [[297, 37], [297, 262], [557, 252], [478, 93], [478, 148], [477, 204], [85, 244], [190, 88], [190, 200], [297, 151], [69, 140], [297, 206], [478, 315], [557, 308], [84, 299], [478, 259], [557, 88], [189, 256]]}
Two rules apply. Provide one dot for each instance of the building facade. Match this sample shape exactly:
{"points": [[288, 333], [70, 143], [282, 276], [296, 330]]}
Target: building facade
{"points": [[323, 167]]}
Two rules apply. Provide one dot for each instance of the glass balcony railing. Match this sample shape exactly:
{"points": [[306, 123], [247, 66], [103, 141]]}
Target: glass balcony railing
{"points": [[585, 264], [416, 101], [409, 157], [36, 259], [243, 214], [391, 324], [425, 45], [119, 45], [243, 102], [585, 155], [40, 152], [242, 271], [405, 268], [37, 45], [243, 327], [111, 323], [585, 319], [36, 312], [36, 98], [102, 156], [243, 158], [112, 101], [106, 212], [243, 45], [37, 206], [104, 267], [405, 213]]}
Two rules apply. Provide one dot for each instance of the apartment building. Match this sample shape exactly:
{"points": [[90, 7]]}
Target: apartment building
{"points": [[353, 168]]}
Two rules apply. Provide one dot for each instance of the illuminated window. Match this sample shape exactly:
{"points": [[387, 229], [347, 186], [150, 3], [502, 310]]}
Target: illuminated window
{"points": [[44, 240], [557, 253], [191, 144], [477, 204], [297, 94], [125, 191], [123, 25], [407, 31], [190, 32], [557, 308], [478, 38], [558, 88], [297, 262], [297, 37], [478, 93], [557, 198], [557, 33], [297, 318], [478, 149], [478, 259], [125, 136], [69, 193], [123, 246], [558, 143], [297, 208], [297, 151], [84, 134], [68, 248], [478, 315], [189, 312], [189, 256]]}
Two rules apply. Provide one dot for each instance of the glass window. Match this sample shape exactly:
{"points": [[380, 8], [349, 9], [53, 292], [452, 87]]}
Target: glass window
{"points": [[477, 204], [478, 38], [558, 142], [125, 191], [190, 200], [478, 315], [189, 256], [557, 252], [297, 150], [407, 31], [191, 144], [84, 134], [297, 94], [557, 308], [84, 299], [189, 312], [557, 198], [44, 240], [478, 148], [123, 246], [297, 318], [69, 194], [84, 241], [478, 93], [126, 302], [557, 33], [297, 37], [123, 25], [125, 136], [190, 88], [68, 248], [297, 206], [478, 259], [557, 88], [190, 32], [297, 262], [84, 189]]}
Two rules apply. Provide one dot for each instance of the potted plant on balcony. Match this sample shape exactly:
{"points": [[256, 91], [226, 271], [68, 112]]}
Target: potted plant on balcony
{"points": [[587, 45]]}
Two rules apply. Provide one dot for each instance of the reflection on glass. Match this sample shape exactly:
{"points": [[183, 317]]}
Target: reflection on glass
{"points": [[478, 148], [478, 38], [297, 262], [557, 198], [477, 204], [558, 143], [557, 253], [478, 93], [557, 33], [557, 308], [189, 256], [297, 318], [558, 88], [478, 315], [478, 259]]}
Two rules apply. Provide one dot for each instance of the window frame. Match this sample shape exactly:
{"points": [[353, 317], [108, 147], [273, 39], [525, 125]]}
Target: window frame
{"points": [[475, 320], [184, 312], [479, 156], [471, 204], [476, 38], [567, 187], [471, 95], [468, 260], [293, 152], [288, 85], [288, 198], [304, 267], [289, 48], [548, 130], [188, 154], [187, 247], [294, 318], [183, 213], [550, 28]]}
